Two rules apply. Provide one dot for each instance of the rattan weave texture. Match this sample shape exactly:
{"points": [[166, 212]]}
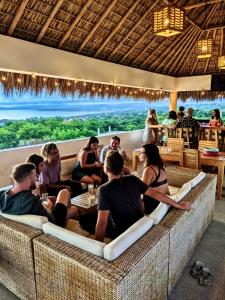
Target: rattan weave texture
{"points": [[16, 258], [66, 272]]}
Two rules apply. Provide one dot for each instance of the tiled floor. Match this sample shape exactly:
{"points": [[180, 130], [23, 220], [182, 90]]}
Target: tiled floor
{"points": [[219, 215]]}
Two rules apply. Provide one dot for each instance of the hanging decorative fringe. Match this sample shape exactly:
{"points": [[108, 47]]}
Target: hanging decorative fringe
{"points": [[17, 83], [200, 95]]}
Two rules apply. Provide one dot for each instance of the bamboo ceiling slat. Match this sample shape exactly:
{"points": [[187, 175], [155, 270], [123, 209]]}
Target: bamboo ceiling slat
{"points": [[91, 33], [17, 17], [76, 20], [44, 28], [136, 25], [186, 7], [117, 27]]}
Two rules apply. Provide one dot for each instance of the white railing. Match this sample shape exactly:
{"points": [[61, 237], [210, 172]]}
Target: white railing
{"points": [[10, 157]]}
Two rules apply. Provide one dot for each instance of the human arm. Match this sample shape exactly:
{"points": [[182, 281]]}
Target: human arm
{"points": [[83, 159], [101, 225], [167, 200]]}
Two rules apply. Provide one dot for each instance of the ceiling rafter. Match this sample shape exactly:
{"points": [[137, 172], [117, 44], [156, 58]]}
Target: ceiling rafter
{"points": [[182, 62], [118, 26], [174, 58], [18, 15], [75, 21], [197, 59], [133, 28], [208, 59], [221, 42], [91, 33], [186, 49], [186, 17], [45, 27], [139, 41], [173, 44], [187, 7]]}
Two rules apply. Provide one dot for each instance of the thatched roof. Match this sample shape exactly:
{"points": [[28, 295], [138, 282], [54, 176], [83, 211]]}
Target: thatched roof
{"points": [[119, 31]]}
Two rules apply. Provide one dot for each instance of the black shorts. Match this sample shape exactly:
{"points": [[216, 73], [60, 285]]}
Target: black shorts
{"points": [[59, 213]]}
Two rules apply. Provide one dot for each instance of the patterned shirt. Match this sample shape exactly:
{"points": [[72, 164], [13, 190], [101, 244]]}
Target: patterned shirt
{"points": [[188, 122]]}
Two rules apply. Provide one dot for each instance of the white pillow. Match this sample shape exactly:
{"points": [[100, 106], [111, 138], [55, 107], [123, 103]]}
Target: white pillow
{"points": [[127, 238], [159, 213], [185, 189], [32, 220], [82, 242], [173, 189], [197, 179], [68, 165]]}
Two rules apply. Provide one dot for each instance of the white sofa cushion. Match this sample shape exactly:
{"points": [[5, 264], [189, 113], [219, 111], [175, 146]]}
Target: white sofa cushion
{"points": [[183, 191], [82, 242], [127, 238], [67, 166], [197, 179], [159, 213], [32, 220], [173, 189]]}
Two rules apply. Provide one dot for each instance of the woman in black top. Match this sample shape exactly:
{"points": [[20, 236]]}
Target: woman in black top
{"points": [[153, 175], [88, 166]]}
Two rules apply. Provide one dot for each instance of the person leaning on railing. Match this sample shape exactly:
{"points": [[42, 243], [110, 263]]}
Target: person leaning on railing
{"points": [[50, 175]]}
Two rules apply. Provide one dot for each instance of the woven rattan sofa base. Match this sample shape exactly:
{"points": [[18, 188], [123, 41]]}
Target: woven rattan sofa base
{"points": [[66, 272], [16, 258], [187, 228]]}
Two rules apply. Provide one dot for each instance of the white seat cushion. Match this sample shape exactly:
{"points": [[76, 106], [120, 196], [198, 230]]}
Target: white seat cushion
{"points": [[67, 166], [32, 220], [159, 213], [82, 242], [127, 238], [183, 191], [197, 179], [173, 189]]}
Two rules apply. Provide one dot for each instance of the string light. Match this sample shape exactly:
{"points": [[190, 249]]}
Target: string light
{"points": [[56, 83], [44, 79], [33, 76], [18, 80], [3, 78], [68, 83]]}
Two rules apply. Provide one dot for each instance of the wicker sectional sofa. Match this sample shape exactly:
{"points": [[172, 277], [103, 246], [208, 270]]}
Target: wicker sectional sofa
{"points": [[148, 269]]}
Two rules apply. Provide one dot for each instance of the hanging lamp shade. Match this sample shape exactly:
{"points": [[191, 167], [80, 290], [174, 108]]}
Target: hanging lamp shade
{"points": [[168, 21], [221, 62], [204, 48]]}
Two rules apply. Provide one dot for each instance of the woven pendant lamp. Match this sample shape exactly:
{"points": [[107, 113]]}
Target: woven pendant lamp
{"points": [[168, 21], [204, 48]]}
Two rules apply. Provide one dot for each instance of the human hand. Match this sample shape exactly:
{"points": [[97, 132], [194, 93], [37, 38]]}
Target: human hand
{"points": [[67, 187], [48, 205], [97, 164], [184, 205]]}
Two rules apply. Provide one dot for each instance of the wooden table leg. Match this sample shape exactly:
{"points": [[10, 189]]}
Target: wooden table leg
{"points": [[220, 180], [134, 160]]}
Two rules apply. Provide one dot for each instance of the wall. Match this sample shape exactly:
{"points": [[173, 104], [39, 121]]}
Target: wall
{"points": [[29, 57], [129, 141]]}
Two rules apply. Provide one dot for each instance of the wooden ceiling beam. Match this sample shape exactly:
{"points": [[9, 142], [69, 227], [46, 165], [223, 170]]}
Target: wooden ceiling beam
{"points": [[173, 59], [172, 46], [183, 61], [221, 42], [45, 27], [91, 33], [205, 24], [18, 15], [118, 26], [76, 20], [139, 41], [143, 51], [186, 17], [215, 27], [133, 28], [187, 7], [208, 59]]}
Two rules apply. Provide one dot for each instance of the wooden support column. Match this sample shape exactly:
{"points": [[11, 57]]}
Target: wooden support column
{"points": [[173, 100]]}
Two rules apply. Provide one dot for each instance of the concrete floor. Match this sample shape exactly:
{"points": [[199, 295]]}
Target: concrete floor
{"points": [[219, 215]]}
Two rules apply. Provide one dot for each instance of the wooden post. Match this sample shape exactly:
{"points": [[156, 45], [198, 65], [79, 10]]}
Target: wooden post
{"points": [[173, 100]]}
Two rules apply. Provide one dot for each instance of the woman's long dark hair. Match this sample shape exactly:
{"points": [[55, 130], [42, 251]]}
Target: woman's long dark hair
{"points": [[217, 112], [153, 156], [92, 140]]}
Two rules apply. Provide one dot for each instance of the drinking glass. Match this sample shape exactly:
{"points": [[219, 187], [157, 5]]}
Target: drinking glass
{"points": [[91, 189], [44, 196]]}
